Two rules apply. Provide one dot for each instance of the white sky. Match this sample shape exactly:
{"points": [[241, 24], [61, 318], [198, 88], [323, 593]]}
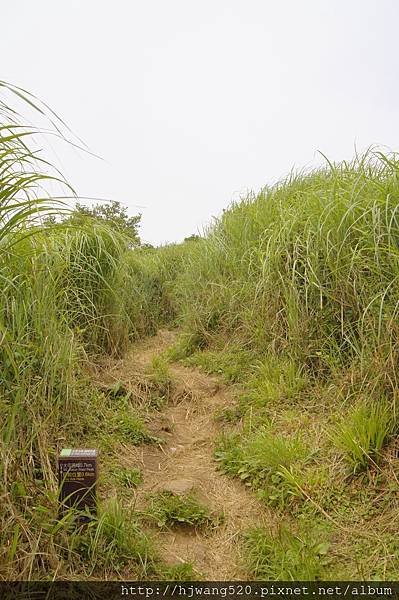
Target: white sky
{"points": [[191, 103]]}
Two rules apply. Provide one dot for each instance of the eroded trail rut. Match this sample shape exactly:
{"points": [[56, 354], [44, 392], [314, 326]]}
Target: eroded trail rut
{"points": [[183, 463]]}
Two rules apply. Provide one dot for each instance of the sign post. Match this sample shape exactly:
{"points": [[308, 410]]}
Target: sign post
{"points": [[77, 478]]}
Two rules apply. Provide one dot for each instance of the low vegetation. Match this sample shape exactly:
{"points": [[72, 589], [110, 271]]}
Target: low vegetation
{"points": [[362, 433], [286, 556], [169, 510], [260, 458]]}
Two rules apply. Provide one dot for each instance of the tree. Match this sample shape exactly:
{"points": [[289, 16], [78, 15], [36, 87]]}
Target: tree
{"points": [[112, 213], [192, 238]]}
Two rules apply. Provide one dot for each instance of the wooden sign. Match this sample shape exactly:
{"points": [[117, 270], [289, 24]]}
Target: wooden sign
{"points": [[77, 477]]}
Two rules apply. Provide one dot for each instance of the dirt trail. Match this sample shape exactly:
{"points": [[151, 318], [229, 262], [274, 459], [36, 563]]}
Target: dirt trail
{"points": [[184, 463]]}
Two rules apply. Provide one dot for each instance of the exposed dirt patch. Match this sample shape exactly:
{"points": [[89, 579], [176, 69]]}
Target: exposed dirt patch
{"points": [[184, 461]]}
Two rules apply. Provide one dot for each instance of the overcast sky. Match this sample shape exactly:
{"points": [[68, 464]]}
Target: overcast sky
{"points": [[192, 103]]}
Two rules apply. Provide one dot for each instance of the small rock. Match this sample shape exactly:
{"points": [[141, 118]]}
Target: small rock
{"points": [[179, 487], [179, 449]]}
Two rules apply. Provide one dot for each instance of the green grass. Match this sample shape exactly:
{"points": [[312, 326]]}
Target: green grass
{"points": [[185, 346], [130, 427], [158, 383], [233, 364], [258, 459], [275, 379], [114, 540], [180, 572], [362, 433], [128, 478], [169, 510], [307, 269], [286, 556]]}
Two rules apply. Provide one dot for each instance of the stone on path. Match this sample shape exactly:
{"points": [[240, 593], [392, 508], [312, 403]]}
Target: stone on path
{"points": [[179, 487]]}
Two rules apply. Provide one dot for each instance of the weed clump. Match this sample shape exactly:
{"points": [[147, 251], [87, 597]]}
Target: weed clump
{"points": [[158, 384], [131, 427], [180, 572], [259, 459], [186, 345], [128, 478], [286, 556], [362, 433], [113, 540], [275, 379], [168, 510], [232, 363]]}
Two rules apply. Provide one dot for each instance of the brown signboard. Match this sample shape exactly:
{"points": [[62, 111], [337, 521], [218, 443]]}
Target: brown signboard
{"points": [[77, 477]]}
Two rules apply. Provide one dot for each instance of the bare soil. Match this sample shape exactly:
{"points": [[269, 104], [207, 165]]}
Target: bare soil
{"points": [[183, 463]]}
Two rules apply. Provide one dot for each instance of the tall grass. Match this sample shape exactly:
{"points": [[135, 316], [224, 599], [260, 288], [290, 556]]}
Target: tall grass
{"points": [[66, 293], [303, 278], [148, 286], [308, 268]]}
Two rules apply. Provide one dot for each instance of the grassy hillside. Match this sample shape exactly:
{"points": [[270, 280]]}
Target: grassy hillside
{"points": [[308, 268], [291, 297]]}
